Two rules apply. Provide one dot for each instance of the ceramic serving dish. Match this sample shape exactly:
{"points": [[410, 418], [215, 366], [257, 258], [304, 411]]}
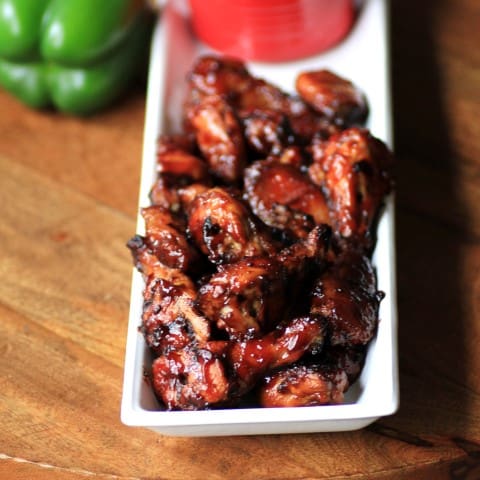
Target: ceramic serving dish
{"points": [[363, 58]]}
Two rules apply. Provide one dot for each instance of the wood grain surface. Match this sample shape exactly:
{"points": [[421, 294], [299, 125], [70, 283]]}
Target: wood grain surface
{"points": [[68, 199]]}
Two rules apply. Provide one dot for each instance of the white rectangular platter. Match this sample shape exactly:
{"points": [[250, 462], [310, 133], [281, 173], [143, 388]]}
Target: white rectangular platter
{"points": [[363, 58]]}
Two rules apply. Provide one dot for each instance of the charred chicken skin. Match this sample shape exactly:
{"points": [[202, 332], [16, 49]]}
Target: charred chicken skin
{"points": [[256, 254]]}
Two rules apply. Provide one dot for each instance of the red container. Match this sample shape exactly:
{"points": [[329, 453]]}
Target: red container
{"points": [[271, 30]]}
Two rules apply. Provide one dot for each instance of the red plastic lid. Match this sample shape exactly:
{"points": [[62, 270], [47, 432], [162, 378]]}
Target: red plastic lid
{"points": [[271, 30]]}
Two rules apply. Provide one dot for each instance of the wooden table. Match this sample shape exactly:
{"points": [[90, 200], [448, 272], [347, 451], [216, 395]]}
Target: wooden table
{"points": [[68, 195]]}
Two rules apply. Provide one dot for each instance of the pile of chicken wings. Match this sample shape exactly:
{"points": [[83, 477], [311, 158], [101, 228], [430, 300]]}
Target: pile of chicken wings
{"points": [[259, 288]]}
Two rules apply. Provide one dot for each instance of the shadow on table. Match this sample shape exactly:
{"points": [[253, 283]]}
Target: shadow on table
{"points": [[430, 219]]}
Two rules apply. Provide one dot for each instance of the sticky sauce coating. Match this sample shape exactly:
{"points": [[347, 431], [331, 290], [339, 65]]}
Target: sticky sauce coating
{"points": [[259, 286]]}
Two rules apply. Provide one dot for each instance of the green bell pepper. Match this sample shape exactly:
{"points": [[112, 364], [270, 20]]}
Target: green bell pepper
{"points": [[75, 55]]}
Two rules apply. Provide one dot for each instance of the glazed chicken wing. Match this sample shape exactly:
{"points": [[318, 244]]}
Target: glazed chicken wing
{"points": [[188, 372], [346, 295], [177, 166], [219, 137], [223, 228], [303, 386], [212, 75], [334, 97], [252, 358], [190, 379], [245, 297], [169, 319], [355, 170], [285, 199], [164, 240], [321, 382]]}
